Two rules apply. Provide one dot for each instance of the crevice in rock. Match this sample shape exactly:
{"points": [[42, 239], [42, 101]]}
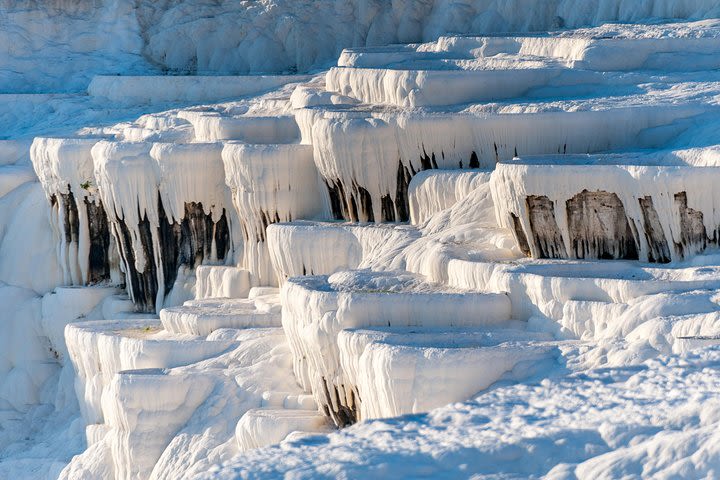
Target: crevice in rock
{"points": [[71, 221], [366, 206], [336, 200], [142, 286], [402, 202], [387, 208]]}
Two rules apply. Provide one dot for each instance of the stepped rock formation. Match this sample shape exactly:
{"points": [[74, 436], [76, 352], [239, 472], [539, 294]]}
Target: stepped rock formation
{"points": [[459, 227]]}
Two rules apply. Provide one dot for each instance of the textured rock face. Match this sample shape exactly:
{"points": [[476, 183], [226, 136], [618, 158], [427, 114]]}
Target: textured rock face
{"points": [[166, 205], [101, 250], [146, 36], [599, 227], [172, 245], [86, 250], [658, 250], [560, 209], [544, 227], [380, 365], [95, 223], [270, 184], [396, 146], [694, 236], [376, 320]]}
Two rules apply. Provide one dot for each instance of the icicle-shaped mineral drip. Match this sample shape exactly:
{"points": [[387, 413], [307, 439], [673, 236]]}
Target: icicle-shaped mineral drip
{"points": [[270, 184], [65, 169], [190, 172], [127, 179]]}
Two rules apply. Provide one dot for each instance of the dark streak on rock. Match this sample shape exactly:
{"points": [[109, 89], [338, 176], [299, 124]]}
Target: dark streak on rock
{"points": [[402, 202], [142, 286], [71, 226], [658, 250], [599, 227], [344, 415], [520, 236], [543, 225], [366, 206], [336, 200], [425, 161], [387, 208], [693, 236], [186, 243], [99, 230]]}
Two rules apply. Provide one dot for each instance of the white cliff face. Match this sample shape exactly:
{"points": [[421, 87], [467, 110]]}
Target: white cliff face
{"points": [[86, 249], [123, 37], [476, 230], [396, 371]]}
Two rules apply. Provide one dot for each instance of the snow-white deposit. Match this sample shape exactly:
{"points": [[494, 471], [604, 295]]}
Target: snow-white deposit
{"points": [[408, 370], [270, 184], [492, 295], [317, 309], [655, 420], [126, 37]]}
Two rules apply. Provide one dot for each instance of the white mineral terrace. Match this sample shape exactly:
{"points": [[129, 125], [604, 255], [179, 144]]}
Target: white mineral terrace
{"points": [[99, 350], [454, 70], [202, 317], [160, 89], [170, 214], [508, 241], [395, 147], [212, 126], [65, 169], [309, 248], [316, 309], [262, 427], [656, 208], [407, 370]]}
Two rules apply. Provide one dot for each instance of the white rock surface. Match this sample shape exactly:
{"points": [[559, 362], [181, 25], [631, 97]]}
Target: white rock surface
{"points": [[262, 427], [221, 281], [99, 350], [316, 309], [305, 248], [398, 371], [201, 317], [146, 90], [587, 368], [270, 184]]}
